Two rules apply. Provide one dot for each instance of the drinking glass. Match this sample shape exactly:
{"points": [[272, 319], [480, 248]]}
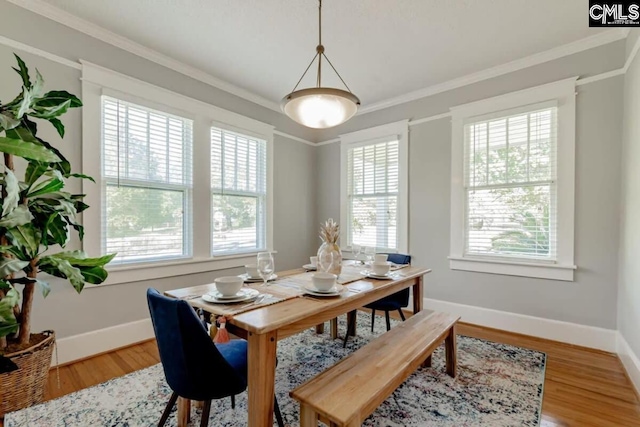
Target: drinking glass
{"points": [[266, 266], [356, 249], [369, 253]]}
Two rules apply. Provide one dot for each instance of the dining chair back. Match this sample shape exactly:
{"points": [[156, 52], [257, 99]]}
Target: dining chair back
{"points": [[195, 368], [394, 302]]}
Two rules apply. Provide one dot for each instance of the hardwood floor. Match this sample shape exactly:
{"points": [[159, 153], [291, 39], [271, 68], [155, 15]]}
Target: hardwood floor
{"points": [[583, 387]]}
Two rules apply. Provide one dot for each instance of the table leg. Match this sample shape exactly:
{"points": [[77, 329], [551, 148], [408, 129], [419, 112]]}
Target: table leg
{"points": [[427, 362], [451, 352], [334, 328], [184, 412], [308, 417], [352, 317], [320, 329], [261, 378], [417, 295]]}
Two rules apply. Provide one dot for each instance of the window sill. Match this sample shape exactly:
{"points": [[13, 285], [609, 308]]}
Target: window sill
{"points": [[514, 268], [171, 268]]}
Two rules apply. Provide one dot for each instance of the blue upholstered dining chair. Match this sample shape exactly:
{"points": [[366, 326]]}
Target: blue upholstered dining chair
{"points": [[195, 367], [393, 302]]}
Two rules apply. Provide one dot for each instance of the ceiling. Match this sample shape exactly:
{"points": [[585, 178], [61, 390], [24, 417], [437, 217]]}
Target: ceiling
{"points": [[383, 49]]}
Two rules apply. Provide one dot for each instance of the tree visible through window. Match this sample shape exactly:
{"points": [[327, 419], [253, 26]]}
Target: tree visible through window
{"points": [[147, 173], [510, 183], [239, 192]]}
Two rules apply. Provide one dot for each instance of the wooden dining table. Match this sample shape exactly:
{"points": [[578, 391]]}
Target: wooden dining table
{"points": [[262, 327]]}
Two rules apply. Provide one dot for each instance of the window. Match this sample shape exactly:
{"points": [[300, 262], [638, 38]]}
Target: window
{"points": [[238, 192], [173, 195], [374, 192], [512, 194], [147, 174]]}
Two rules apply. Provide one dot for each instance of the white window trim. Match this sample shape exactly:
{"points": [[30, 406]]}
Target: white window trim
{"points": [[563, 268], [364, 137], [98, 81]]}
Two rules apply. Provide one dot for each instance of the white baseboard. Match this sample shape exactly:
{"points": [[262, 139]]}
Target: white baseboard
{"points": [[95, 342], [572, 333], [630, 361]]}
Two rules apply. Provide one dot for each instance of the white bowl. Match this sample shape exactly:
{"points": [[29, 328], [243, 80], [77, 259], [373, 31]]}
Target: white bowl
{"points": [[380, 268], [252, 271], [324, 281], [380, 258], [228, 285]]}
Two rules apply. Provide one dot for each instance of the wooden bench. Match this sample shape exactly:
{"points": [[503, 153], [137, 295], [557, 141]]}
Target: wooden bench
{"points": [[348, 392]]}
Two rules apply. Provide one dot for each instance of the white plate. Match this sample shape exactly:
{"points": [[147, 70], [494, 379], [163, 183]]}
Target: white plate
{"points": [[243, 295], [371, 275], [337, 289], [248, 279], [309, 267]]}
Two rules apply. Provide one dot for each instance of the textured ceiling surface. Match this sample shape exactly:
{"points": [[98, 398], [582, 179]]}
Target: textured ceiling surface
{"points": [[382, 48]]}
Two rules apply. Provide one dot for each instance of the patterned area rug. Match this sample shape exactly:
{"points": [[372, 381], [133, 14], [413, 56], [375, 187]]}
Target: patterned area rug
{"points": [[497, 385]]}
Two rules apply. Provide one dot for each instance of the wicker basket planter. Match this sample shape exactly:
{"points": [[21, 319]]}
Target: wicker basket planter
{"points": [[25, 386]]}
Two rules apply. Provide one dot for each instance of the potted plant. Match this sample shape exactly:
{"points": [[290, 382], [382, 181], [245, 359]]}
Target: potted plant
{"points": [[36, 214]]}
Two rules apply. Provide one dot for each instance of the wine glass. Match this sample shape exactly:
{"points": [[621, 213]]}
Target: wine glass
{"points": [[356, 249], [369, 253], [266, 266]]}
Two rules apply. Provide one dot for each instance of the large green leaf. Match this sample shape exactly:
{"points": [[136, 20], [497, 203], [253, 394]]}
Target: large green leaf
{"points": [[32, 128], [12, 193], [55, 231], [45, 287], [38, 86], [94, 275], [27, 237], [22, 108], [8, 323], [62, 268], [11, 265], [58, 125], [23, 71], [57, 97], [50, 112], [19, 216], [80, 258], [8, 121], [27, 150], [34, 171], [50, 184]]}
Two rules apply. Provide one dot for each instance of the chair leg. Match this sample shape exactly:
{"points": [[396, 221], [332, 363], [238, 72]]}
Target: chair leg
{"points": [[348, 331], [233, 402], [206, 409], [167, 409], [276, 409], [401, 314], [373, 319], [386, 316]]}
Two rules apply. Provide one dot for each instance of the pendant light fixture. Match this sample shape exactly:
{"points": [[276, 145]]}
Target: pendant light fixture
{"points": [[320, 107]]}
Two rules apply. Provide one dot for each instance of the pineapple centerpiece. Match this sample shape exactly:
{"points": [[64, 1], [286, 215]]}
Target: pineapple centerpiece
{"points": [[329, 254]]}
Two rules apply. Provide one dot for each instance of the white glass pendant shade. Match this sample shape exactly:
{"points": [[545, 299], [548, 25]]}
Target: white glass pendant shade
{"points": [[319, 107]]}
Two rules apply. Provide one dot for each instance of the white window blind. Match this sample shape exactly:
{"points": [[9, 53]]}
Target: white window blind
{"points": [[372, 192], [147, 158], [239, 192], [510, 184]]}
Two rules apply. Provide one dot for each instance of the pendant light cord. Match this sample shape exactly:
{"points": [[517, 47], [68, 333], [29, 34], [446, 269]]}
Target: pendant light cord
{"points": [[319, 54]]}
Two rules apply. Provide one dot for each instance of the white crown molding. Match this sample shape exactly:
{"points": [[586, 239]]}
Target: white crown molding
{"points": [[56, 14], [293, 137], [14, 44], [600, 39]]}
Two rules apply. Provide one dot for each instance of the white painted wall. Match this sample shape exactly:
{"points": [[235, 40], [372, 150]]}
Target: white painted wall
{"points": [[629, 254], [100, 307], [589, 300]]}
